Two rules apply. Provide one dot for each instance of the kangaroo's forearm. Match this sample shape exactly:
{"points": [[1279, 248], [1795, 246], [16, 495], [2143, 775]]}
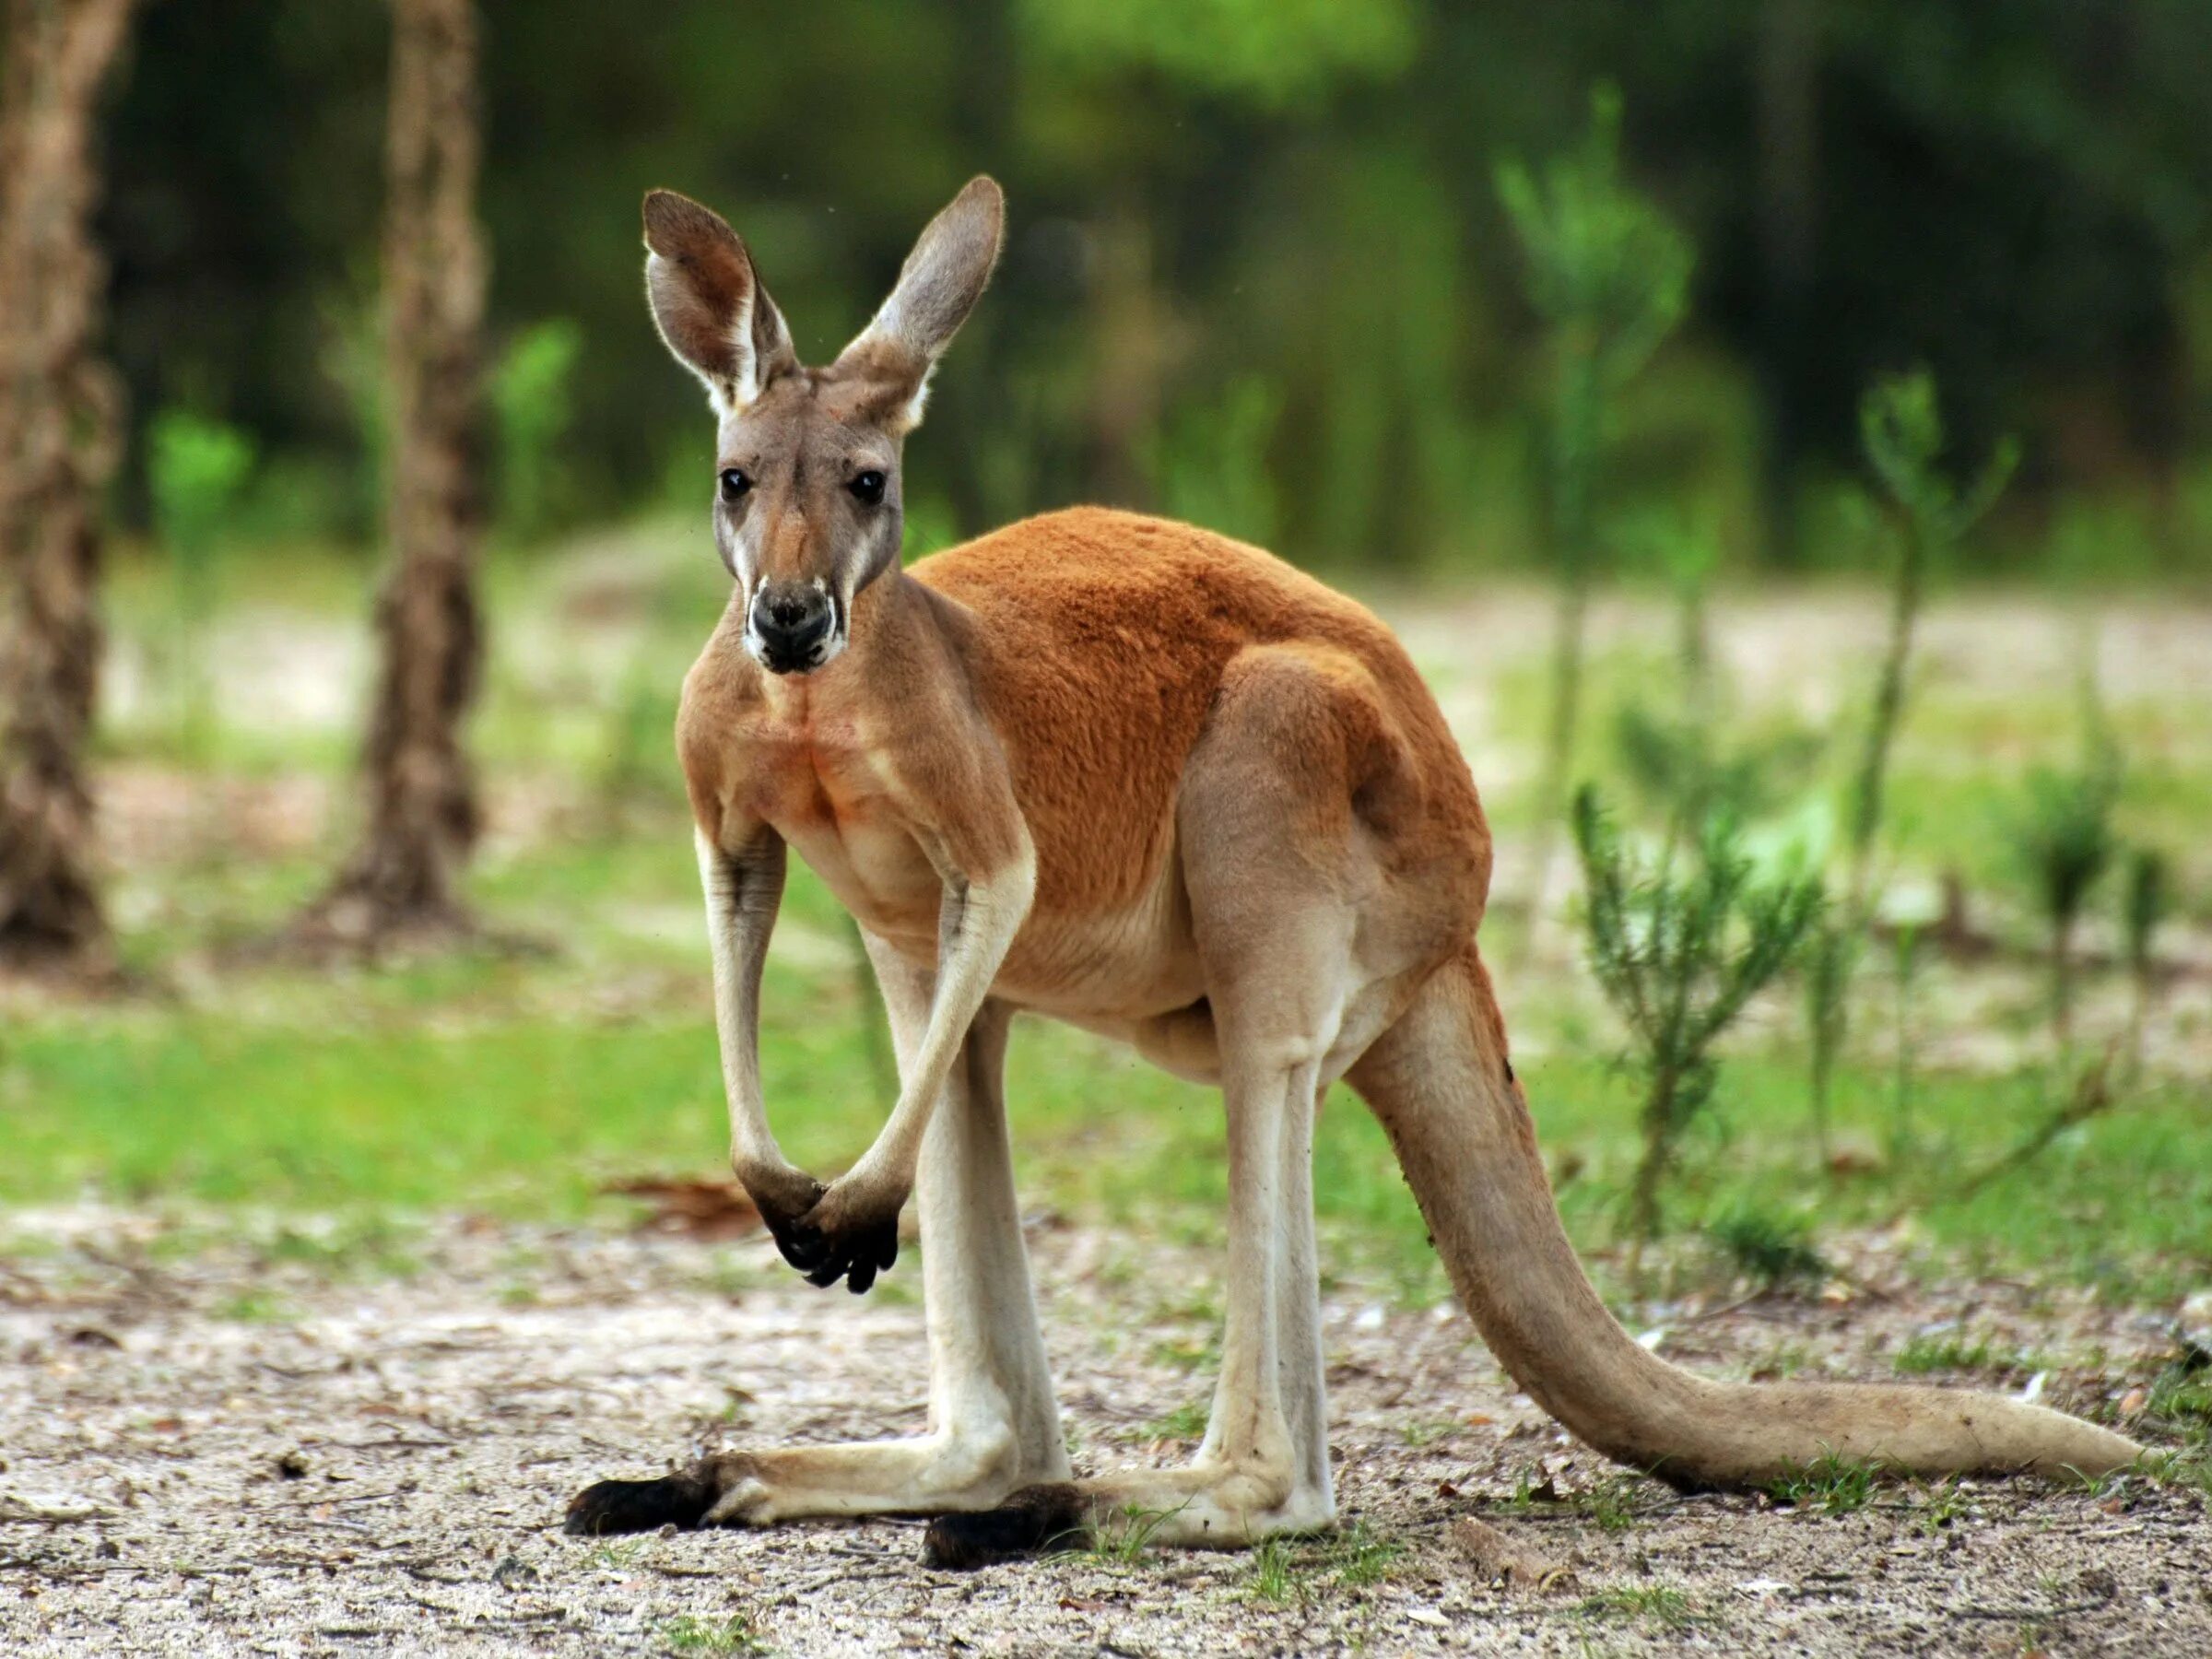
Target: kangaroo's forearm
{"points": [[977, 925], [744, 891]]}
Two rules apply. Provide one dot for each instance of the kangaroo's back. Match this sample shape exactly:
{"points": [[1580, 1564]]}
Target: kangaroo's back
{"points": [[1098, 640]]}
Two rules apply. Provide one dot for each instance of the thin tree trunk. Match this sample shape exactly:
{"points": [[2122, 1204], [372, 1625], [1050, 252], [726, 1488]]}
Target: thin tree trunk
{"points": [[59, 408], [422, 814]]}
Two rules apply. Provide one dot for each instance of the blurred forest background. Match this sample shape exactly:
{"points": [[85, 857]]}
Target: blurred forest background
{"points": [[1794, 416], [1258, 272]]}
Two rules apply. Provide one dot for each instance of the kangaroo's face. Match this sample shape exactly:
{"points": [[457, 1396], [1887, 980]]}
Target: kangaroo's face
{"points": [[806, 471]]}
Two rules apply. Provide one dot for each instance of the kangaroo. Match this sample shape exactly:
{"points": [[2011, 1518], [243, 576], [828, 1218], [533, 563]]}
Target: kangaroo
{"points": [[1153, 782]]}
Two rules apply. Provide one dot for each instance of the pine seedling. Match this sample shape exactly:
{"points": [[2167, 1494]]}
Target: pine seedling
{"points": [[2064, 842], [1609, 273], [2146, 896], [1900, 428], [1680, 947], [1831, 955]]}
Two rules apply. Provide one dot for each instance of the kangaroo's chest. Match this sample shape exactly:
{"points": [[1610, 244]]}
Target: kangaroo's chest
{"points": [[825, 789]]}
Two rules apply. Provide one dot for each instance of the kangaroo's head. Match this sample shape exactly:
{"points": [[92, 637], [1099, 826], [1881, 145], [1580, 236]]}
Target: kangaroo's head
{"points": [[807, 485]]}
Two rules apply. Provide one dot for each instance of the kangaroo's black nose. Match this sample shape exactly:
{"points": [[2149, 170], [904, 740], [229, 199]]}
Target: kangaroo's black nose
{"points": [[792, 623]]}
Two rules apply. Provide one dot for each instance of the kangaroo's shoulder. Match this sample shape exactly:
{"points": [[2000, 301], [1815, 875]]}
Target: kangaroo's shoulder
{"points": [[1146, 573]]}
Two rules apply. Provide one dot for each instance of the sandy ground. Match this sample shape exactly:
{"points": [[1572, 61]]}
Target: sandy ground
{"points": [[217, 1452]]}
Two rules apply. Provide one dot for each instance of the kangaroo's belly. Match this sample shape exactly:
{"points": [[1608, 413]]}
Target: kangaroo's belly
{"points": [[1101, 969]]}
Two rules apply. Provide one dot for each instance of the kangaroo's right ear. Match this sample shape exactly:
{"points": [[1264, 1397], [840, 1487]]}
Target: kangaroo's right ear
{"points": [[708, 302]]}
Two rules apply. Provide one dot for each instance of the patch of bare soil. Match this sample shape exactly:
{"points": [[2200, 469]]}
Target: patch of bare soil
{"points": [[229, 1452]]}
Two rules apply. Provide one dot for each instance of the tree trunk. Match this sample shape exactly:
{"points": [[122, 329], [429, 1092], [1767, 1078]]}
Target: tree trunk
{"points": [[422, 817], [58, 434]]}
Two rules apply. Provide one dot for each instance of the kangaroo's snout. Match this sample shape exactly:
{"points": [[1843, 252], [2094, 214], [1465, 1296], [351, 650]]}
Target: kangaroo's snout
{"points": [[791, 627]]}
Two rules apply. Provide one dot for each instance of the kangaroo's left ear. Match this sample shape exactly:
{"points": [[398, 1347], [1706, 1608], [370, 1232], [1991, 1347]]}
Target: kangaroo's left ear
{"points": [[939, 286]]}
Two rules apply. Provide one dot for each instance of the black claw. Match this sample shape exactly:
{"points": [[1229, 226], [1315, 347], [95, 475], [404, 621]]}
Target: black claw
{"points": [[630, 1506], [863, 1275], [1031, 1522]]}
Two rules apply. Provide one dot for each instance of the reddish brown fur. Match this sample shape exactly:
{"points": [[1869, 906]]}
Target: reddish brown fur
{"points": [[1098, 640]]}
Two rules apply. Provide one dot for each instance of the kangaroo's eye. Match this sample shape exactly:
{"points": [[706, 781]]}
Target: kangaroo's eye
{"points": [[867, 486], [734, 483]]}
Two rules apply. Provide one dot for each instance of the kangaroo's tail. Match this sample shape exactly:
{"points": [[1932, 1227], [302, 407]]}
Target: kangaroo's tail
{"points": [[1440, 1084]]}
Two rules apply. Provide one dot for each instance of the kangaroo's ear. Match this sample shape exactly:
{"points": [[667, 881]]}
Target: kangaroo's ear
{"points": [[939, 286], [708, 302]]}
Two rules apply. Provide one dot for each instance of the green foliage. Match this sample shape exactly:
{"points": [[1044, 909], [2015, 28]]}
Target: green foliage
{"points": [[1209, 464], [1273, 54], [1901, 427], [197, 469], [1603, 265], [1679, 946], [1773, 1250], [532, 403]]}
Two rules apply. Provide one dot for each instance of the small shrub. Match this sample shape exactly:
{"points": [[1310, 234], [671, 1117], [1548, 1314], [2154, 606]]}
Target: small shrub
{"points": [[1680, 947], [2064, 842], [2146, 896], [1774, 1252]]}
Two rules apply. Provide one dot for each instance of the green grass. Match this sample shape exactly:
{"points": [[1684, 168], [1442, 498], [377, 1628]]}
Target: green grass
{"points": [[518, 1084], [687, 1634], [1661, 1605], [1952, 1352], [497, 1084], [1832, 1484]]}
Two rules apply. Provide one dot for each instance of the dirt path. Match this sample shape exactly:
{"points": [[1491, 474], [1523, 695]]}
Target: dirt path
{"points": [[227, 1451]]}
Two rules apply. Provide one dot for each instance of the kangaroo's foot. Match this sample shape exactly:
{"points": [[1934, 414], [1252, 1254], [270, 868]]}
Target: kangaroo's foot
{"points": [[974, 1469], [1209, 1505]]}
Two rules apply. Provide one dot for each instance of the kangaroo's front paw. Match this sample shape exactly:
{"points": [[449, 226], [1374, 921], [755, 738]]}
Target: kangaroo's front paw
{"points": [[784, 1197], [851, 1234]]}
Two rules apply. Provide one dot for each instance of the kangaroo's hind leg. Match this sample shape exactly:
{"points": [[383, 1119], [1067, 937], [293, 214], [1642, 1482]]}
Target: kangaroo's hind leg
{"points": [[993, 1422], [1302, 968]]}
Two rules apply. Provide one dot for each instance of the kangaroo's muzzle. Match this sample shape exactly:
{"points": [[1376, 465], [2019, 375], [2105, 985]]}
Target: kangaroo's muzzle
{"points": [[791, 627]]}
